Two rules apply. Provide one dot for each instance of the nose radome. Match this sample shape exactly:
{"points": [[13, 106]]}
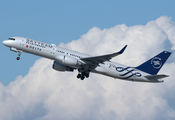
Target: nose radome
{"points": [[5, 42]]}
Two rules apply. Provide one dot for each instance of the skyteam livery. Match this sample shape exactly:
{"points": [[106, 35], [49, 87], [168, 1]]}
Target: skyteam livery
{"points": [[68, 60]]}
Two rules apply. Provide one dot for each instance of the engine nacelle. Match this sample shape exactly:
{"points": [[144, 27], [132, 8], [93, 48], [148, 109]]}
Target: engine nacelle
{"points": [[60, 67], [68, 60]]}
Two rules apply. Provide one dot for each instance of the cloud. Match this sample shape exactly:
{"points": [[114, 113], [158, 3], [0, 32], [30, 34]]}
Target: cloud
{"points": [[48, 94]]}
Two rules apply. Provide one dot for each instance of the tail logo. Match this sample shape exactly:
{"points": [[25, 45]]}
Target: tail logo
{"points": [[156, 62]]}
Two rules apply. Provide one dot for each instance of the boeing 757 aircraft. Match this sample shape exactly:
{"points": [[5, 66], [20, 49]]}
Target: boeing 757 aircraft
{"points": [[68, 60]]}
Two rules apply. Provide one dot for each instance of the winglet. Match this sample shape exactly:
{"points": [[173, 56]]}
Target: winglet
{"points": [[122, 50]]}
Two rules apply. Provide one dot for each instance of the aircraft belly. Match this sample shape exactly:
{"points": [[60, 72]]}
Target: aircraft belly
{"points": [[112, 73], [100, 70]]}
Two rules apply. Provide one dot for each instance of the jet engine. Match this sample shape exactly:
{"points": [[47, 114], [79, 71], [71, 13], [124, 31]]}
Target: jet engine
{"points": [[60, 67], [68, 60]]}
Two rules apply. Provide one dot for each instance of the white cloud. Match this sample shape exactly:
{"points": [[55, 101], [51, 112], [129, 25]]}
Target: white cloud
{"points": [[48, 94]]}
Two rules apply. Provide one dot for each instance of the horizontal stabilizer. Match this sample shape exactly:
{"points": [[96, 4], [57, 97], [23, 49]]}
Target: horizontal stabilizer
{"points": [[155, 77]]}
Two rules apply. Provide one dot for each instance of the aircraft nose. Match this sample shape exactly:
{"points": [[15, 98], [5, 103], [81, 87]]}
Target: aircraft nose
{"points": [[5, 42]]}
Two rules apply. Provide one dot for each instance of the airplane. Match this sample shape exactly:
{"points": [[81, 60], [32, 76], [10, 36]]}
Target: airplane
{"points": [[68, 60]]}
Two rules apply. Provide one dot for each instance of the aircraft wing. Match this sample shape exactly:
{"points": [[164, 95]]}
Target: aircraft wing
{"points": [[103, 58]]}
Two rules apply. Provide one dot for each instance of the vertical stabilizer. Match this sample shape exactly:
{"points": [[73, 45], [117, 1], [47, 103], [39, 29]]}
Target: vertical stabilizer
{"points": [[153, 65]]}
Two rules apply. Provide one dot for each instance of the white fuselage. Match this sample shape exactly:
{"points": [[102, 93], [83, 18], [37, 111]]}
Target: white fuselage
{"points": [[53, 52]]}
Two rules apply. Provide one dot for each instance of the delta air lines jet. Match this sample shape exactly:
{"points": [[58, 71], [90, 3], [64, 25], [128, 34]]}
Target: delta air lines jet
{"points": [[68, 60]]}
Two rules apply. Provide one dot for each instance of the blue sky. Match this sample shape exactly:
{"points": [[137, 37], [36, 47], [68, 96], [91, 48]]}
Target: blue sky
{"points": [[30, 89], [59, 21]]}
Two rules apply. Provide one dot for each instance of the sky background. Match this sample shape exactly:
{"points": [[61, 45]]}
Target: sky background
{"points": [[30, 89], [59, 21]]}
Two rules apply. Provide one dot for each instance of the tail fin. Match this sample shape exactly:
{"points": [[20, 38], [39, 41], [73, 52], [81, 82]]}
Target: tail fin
{"points": [[153, 65]]}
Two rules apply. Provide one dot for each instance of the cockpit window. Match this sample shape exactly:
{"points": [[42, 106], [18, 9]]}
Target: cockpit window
{"points": [[11, 39]]}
